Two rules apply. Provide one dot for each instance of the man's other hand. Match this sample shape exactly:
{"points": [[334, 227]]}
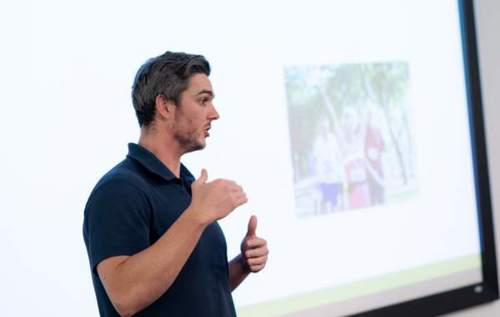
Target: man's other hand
{"points": [[254, 250]]}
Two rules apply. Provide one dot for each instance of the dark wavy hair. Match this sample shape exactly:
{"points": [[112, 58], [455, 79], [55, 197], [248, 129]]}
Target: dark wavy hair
{"points": [[167, 75]]}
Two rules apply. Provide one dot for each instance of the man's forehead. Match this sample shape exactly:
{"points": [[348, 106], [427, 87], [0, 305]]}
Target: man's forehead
{"points": [[199, 84]]}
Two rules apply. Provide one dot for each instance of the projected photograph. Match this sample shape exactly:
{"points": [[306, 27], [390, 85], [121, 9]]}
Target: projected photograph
{"points": [[351, 136]]}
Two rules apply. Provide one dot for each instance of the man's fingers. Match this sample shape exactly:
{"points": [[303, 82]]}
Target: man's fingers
{"points": [[257, 261], [256, 268], [253, 253], [235, 190], [255, 243], [243, 200], [239, 199]]}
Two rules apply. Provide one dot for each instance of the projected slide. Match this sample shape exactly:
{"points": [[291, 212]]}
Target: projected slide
{"points": [[362, 216], [357, 158], [351, 138]]}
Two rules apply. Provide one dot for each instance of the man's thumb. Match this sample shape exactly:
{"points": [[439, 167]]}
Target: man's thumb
{"points": [[252, 226], [203, 176]]}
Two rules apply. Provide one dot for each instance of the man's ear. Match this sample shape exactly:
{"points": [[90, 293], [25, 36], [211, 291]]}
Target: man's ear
{"points": [[164, 108]]}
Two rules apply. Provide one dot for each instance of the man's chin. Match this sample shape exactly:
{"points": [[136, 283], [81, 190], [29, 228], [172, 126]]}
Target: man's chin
{"points": [[196, 147], [190, 144], [201, 146]]}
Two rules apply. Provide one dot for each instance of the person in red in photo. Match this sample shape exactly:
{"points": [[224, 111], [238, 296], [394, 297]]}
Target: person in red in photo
{"points": [[374, 146]]}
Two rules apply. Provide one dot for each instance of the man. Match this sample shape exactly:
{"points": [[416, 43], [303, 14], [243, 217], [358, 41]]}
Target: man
{"points": [[150, 228]]}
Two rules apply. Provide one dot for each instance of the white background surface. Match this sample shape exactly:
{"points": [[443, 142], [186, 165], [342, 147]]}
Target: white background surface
{"points": [[25, 260]]}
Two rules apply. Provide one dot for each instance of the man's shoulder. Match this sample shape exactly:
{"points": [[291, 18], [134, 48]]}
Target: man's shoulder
{"points": [[123, 176], [119, 191]]}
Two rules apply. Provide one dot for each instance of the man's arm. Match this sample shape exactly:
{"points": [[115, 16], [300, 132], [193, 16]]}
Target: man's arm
{"points": [[253, 256], [134, 282], [238, 272]]}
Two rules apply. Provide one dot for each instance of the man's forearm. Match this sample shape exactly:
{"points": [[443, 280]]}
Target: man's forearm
{"points": [[238, 271], [142, 278]]}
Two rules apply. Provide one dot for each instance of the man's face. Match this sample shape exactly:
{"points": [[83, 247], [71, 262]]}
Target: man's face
{"points": [[194, 114]]}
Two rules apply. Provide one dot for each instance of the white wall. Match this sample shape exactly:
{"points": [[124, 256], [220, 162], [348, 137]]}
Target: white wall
{"points": [[488, 26]]}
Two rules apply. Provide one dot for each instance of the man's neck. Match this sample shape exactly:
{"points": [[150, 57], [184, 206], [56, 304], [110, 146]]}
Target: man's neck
{"points": [[164, 147]]}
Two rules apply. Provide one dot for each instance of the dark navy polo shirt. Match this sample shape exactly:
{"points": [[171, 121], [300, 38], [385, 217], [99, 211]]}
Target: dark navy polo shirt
{"points": [[129, 209]]}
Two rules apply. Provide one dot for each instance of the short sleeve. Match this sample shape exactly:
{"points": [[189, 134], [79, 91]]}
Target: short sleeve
{"points": [[117, 221]]}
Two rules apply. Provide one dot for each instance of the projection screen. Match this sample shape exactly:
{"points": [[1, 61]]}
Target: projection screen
{"points": [[355, 127]]}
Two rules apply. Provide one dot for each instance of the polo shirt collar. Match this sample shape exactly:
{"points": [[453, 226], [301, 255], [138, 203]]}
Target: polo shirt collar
{"points": [[153, 164]]}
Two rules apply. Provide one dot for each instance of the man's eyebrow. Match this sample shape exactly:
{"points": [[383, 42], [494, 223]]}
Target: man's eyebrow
{"points": [[206, 91]]}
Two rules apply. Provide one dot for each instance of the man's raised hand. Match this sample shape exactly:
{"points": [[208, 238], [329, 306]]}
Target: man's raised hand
{"points": [[216, 199]]}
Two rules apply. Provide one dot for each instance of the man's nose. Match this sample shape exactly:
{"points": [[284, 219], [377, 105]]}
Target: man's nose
{"points": [[214, 115]]}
